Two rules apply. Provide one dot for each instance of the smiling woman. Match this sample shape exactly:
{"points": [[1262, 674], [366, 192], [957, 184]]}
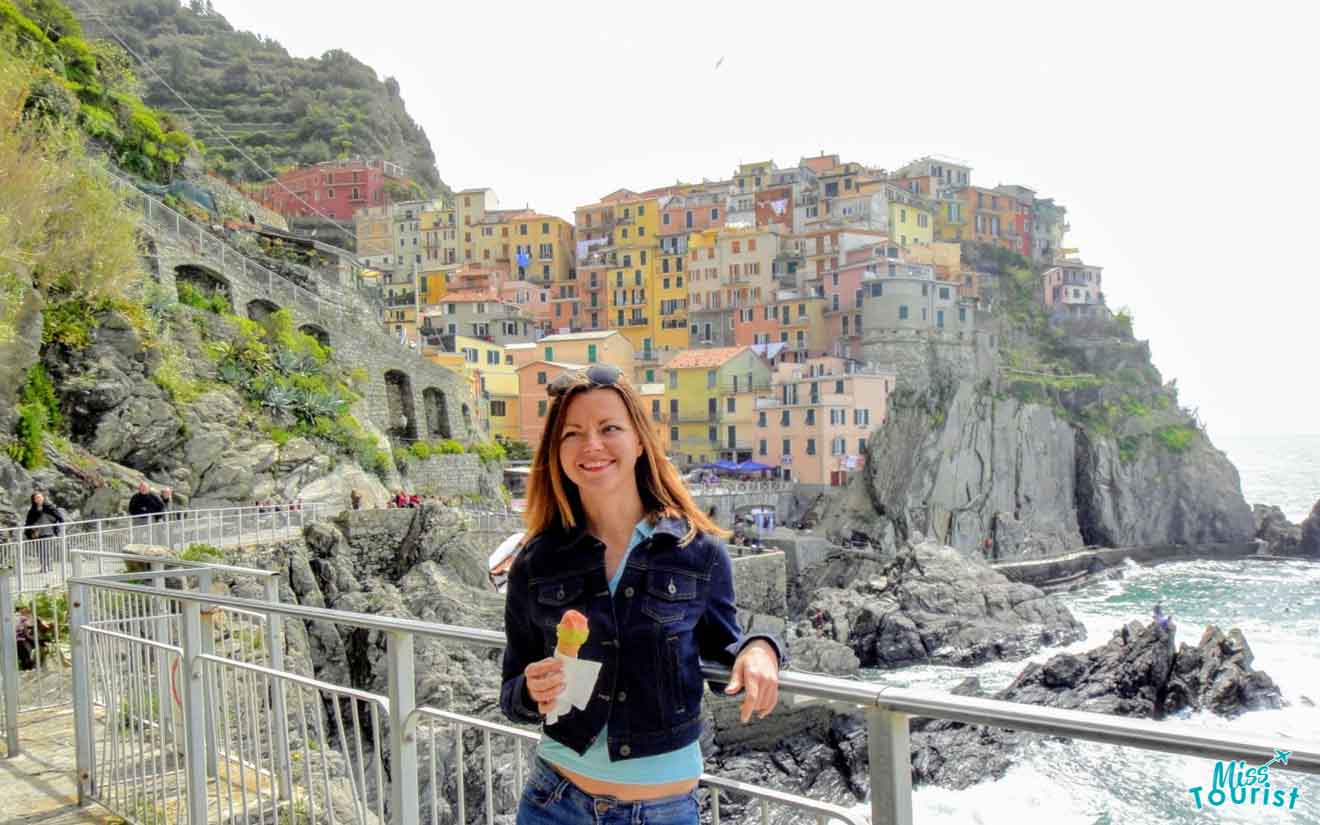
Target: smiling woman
{"points": [[615, 536]]}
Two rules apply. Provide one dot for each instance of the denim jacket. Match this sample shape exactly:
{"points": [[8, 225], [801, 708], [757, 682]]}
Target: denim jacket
{"points": [[674, 607]]}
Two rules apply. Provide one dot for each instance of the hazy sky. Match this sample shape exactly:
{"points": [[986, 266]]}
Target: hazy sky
{"points": [[1181, 137]]}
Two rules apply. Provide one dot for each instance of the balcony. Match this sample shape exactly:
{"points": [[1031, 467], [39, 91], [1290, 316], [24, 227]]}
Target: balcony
{"points": [[408, 300], [638, 322]]}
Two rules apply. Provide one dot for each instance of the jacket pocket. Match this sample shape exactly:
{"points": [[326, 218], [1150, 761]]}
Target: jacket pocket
{"points": [[668, 595], [555, 596]]}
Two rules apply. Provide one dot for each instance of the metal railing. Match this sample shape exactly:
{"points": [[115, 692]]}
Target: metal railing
{"points": [[42, 564], [732, 487], [229, 260], [177, 717]]}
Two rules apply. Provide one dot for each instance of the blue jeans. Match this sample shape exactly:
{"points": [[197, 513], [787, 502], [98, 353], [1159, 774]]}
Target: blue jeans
{"points": [[550, 799]]}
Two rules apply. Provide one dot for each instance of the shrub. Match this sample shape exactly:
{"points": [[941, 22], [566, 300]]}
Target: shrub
{"points": [[381, 464], [514, 450], [69, 323], [38, 389], [279, 435], [420, 450], [31, 426], [489, 451], [205, 553], [447, 446], [1176, 438]]}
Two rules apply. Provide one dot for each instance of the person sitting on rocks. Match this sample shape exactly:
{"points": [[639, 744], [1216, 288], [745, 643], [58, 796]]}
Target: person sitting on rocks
{"points": [[355, 499], [400, 499], [414, 500], [1160, 619]]}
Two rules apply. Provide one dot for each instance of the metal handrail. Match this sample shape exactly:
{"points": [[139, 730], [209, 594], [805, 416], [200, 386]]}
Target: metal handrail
{"points": [[887, 709], [1167, 736]]}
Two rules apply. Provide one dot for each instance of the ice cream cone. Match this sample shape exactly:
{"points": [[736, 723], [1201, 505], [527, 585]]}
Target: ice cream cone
{"points": [[571, 633]]}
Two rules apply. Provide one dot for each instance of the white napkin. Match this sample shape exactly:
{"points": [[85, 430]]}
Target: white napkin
{"points": [[579, 681]]}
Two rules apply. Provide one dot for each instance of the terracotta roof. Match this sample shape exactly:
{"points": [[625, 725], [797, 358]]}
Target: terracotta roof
{"points": [[594, 335], [707, 358]]}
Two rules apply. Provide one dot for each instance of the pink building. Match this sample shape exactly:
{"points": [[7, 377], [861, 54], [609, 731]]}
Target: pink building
{"points": [[533, 403], [819, 417], [335, 188], [1073, 290]]}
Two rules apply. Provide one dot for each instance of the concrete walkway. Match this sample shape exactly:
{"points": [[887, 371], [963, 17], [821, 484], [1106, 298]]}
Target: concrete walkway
{"points": [[38, 785]]}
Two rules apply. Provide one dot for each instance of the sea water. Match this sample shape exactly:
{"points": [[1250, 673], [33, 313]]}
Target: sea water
{"points": [[1277, 607]]}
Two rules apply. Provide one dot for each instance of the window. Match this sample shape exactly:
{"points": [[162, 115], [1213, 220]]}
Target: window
{"points": [[673, 408], [710, 379], [664, 219], [962, 314], [762, 448], [549, 353], [712, 434], [540, 377], [811, 416], [715, 214], [944, 293], [492, 357], [861, 418], [673, 434], [811, 446], [902, 312], [522, 229], [673, 380], [784, 418], [540, 408], [730, 404], [939, 318], [655, 409], [591, 353], [786, 447], [497, 409]]}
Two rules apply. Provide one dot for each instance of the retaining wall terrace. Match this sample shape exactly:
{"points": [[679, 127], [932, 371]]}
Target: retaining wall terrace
{"points": [[405, 395]]}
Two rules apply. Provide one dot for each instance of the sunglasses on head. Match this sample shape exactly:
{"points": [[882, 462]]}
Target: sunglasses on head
{"points": [[597, 375]]}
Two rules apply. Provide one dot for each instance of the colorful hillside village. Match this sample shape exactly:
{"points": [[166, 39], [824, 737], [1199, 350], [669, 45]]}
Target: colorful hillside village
{"points": [[743, 309]]}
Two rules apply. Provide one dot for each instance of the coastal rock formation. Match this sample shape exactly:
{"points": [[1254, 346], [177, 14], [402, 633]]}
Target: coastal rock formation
{"points": [[935, 605], [1137, 673], [1309, 544], [1281, 536], [998, 478]]}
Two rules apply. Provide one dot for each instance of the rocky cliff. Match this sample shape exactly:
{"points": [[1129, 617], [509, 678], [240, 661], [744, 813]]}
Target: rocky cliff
{"points": [[1067, 437]]}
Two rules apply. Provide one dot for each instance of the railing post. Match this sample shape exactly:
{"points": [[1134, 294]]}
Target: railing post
{"points": [[84, 746], [204, 580], [9, 661], [158, 631], [194, 711], [278, 709], [890, 759], [403, 748]]}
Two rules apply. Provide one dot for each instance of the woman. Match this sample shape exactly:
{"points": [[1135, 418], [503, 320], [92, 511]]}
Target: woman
{"points": [[614, 535]]}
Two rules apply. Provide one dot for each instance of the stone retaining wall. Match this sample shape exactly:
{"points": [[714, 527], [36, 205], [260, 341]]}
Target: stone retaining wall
{"points": [[1076, 569], [453, 475]]}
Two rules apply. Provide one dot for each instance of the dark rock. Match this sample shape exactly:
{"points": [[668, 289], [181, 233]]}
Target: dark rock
{"points": [[1309, 543], [1281, 537], [935, 605]]}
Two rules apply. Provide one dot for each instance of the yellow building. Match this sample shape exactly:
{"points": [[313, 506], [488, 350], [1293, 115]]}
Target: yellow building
{"points": [[712, 403], [481, 363], [600, 347], [911, 223], [634, 305], [501, 396]]}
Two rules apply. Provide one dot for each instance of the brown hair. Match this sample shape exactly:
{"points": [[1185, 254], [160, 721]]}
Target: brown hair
{"points": [[553, 501]]}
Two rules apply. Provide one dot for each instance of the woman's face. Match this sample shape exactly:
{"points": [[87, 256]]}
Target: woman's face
{"points": [[599, 448]]}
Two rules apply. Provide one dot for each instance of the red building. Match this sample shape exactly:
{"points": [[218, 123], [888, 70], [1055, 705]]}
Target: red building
{"points": [[335, 188]]}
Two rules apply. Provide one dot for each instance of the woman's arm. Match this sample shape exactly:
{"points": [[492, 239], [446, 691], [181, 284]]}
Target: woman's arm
{"points": [[524, 646], [720, 638]]}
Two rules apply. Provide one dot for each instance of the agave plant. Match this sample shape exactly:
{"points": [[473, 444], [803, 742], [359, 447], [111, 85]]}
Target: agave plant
{"points": [[315, 404], [279, 399], [287, 361], [232, 374]]}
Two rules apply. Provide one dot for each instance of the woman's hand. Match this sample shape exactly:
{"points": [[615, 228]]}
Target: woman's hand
{"points": [[757, 668], [545, 681]]}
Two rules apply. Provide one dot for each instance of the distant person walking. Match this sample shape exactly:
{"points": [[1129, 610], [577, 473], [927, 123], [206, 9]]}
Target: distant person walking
{"points": [[143, 506], [41, 525]]}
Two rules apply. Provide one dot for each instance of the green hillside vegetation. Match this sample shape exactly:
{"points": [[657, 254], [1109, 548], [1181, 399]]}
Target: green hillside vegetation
{"points": [[1094, 373], [283, 111], [92, 84]]}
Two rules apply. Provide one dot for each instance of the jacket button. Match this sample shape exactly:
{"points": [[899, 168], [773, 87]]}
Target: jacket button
{"points": [[628, 592], [625, 750], [623, 696]]}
